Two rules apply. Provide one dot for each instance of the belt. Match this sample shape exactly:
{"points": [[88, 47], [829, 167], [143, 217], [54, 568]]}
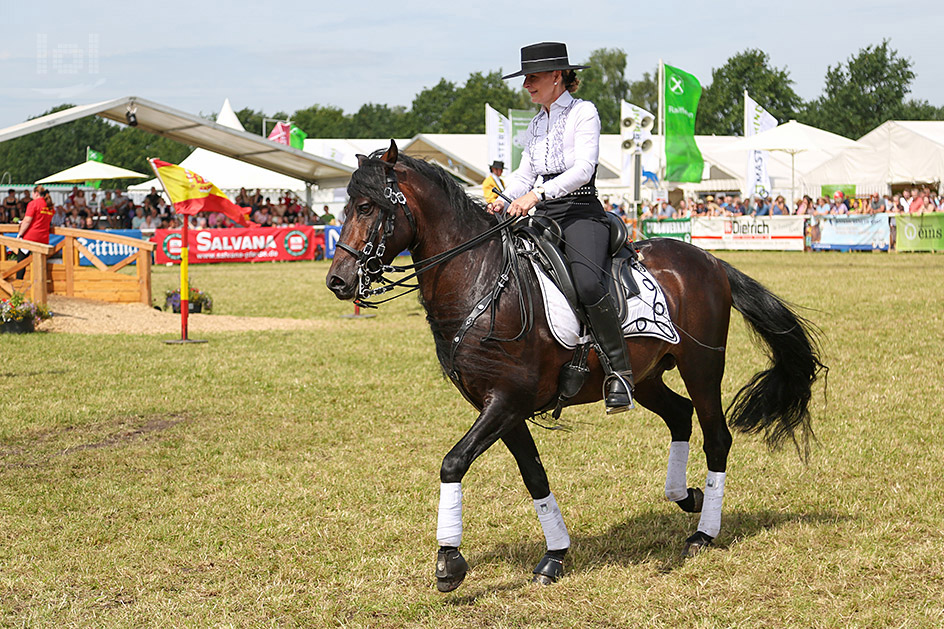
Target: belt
{"points": [[588, 189]]}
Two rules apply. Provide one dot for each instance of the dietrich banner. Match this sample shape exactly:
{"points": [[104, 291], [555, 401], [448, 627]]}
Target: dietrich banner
{"points": [[783, 233], [251, 244]]}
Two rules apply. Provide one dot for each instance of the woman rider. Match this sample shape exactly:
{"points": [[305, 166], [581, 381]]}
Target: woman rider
{"points": [[556, 179]]}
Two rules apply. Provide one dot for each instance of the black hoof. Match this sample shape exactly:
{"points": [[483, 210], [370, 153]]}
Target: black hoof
{"points": [[693, 501], [451, 567], [549, 570], [696, 543]]}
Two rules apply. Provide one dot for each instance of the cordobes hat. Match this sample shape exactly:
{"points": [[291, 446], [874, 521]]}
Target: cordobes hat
{"points": [[544, 57]]}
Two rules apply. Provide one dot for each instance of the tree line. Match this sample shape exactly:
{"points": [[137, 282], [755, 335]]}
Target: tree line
{"points": [[858, 95]]}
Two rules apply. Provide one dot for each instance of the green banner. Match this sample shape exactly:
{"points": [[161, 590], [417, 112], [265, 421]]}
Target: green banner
{"points": [[676, 228], [91, 155], [847, 189], [520, 119], [683, 160], [297, 138], [919, 232]]}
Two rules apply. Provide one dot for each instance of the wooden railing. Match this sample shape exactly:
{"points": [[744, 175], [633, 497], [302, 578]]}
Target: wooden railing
{"points": [[101, 282]]}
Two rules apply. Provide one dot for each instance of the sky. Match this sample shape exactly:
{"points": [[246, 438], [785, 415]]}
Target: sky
{"points": [[291, 55]]}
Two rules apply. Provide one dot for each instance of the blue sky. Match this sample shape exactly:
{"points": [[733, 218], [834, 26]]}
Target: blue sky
{"points": [[192, 55]]}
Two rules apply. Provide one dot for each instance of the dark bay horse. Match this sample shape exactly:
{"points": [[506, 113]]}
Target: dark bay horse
{"points": [[507, 364]]}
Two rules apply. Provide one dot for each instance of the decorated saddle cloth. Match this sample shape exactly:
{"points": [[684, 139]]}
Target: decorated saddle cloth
{"points": [[645, 314]]}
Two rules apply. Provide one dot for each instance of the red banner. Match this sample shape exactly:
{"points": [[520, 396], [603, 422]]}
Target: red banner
{"points": [[251, 244]]}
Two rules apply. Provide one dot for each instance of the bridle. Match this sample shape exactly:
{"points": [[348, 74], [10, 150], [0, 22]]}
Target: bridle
{"points": [[370, 265]]}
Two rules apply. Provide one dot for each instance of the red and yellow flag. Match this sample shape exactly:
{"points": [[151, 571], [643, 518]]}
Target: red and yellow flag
{"points": [[190, 193]]}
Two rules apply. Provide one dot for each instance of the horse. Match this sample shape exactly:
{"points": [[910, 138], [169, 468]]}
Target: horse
{"points": [[500, 353]]}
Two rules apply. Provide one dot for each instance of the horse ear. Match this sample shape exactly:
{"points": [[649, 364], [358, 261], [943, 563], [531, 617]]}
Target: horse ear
{"points": [[361, 159], [392, 153]]}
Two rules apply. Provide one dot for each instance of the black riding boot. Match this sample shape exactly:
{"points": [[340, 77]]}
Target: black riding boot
{"points": [[606, 330]]}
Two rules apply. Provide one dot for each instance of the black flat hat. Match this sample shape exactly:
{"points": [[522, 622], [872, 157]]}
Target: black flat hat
{"points": [[498, 164], [544, 57]]}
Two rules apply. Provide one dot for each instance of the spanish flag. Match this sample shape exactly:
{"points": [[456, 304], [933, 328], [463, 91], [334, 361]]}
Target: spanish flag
{"points": [[190, 193]]}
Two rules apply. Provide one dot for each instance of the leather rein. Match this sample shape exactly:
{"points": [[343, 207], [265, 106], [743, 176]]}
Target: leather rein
{"points": [[371, 269]]}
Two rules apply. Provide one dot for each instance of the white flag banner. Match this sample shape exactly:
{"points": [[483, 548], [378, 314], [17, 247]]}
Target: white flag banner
{"points": [[757, 120], [498, 133]]}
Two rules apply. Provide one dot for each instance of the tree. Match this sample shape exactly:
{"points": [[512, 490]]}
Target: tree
{"points": [[645, 93], [130, 148], [721, 109], [381, 121], [43, 153], [430, 105], [865, 92], [466, 112], [322, 122], [252, 120], [604, 84]]}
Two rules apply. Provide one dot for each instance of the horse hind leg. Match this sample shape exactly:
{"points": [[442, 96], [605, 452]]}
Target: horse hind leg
{"points": [[521, 444], [706, 396], [676, 411]]}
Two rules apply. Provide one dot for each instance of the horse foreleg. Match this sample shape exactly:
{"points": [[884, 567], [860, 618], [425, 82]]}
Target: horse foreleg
{"points": [[521, 445], [451, 566], [676, 411]]}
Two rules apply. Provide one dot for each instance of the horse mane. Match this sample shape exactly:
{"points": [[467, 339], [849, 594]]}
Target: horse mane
{"points": [[370, 180]]}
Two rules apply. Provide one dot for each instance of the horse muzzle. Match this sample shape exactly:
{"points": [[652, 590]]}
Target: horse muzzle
{"points": [[343, 281]]}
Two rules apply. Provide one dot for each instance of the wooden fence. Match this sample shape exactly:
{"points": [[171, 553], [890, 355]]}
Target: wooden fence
{"points": [[100, 281]]}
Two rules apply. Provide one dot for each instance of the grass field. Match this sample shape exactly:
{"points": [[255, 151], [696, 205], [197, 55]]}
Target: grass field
{"points": [[291, 478]]}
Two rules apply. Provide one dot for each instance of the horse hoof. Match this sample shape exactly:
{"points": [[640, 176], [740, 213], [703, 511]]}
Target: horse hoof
{"points": [[548, 571], [693, 502], [451, 568], [696, 543]]}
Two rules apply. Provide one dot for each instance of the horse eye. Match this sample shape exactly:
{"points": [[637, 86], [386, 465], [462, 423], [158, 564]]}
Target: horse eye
{"points": [[364, 208]]}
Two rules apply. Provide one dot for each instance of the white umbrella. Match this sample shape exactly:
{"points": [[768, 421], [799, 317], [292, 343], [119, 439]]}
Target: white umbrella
{"points": [[91, 171], [795, 137]]}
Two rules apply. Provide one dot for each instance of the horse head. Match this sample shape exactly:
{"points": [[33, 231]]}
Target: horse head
{"points": [[378, 223]]}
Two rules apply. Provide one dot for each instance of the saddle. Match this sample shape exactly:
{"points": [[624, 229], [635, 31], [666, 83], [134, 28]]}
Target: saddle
{"points": [[545, 237]]}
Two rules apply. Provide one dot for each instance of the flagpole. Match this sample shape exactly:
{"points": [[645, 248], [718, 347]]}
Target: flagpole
{"points": [[184, 268], [663, 159]]}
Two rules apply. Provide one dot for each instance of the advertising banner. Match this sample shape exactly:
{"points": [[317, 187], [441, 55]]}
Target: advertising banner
{"points": [[250, 244], [850, 232], [920, 232], [757, 120], [677, 228], [683, 160], [777, 233], [498, 135], [108, 252], [520, 119], [331, 235]]}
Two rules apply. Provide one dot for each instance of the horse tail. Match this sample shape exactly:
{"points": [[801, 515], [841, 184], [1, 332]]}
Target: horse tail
{"points": [[776, 400]]}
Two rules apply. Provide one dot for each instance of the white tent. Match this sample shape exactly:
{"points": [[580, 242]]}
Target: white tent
{"points": [[895, 152]]}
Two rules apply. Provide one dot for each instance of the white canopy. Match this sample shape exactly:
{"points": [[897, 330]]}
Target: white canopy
{"points": [[898, 151], [91, 171]]}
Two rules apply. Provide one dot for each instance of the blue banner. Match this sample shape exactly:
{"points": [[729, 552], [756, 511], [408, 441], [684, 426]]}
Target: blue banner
{"points": [[108, 252], [331, 233], [850, 232]]}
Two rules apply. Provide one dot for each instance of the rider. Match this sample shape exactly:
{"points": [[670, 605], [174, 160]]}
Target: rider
{"points": [[556, 179]]}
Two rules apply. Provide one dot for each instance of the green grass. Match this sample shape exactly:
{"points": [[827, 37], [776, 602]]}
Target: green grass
{"points": [[291, 478]]}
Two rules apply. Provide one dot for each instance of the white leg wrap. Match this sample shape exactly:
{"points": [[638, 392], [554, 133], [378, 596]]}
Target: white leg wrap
{"points": [[676, 487], [555, 531], [449, 527], [710, 522]]}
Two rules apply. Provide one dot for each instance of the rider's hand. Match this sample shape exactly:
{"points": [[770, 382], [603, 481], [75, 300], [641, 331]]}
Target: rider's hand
{"points": [[522, 205], [495, 206]]}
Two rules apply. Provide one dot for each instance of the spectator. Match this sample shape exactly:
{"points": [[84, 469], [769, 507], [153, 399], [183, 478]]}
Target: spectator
{"points": [[150, 221], [905, 199], [35, 225], [761, 206], [666, 211], [8, 210], [917, 202], [59, 218], [242, 199], [713, 208], [93, 204], [136, 219], [779, 206], [152, 200]]}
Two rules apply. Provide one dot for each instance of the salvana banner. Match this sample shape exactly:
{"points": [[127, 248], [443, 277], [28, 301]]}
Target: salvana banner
{"points": [[920, 232], [250, 244]]}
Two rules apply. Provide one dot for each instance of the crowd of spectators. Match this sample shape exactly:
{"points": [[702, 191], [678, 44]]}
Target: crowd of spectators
{"points": [[114, 209], [913, 200]]}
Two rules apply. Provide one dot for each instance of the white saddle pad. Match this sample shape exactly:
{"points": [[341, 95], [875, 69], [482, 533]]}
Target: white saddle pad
{"points": [[646, 314]]}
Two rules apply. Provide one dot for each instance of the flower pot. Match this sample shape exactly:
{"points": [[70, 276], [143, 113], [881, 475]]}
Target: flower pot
{"points": [[191, 307], [21, 326]]}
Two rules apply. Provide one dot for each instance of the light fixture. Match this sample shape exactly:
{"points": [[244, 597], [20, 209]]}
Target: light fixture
{"points": [[131, 116]]}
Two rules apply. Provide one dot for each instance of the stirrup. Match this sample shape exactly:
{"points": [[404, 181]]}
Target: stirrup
{"points": [[618, 401]]}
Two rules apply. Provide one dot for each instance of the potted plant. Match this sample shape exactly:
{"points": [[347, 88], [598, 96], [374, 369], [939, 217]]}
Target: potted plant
{"points": [[19, 315], [197, 300]]}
